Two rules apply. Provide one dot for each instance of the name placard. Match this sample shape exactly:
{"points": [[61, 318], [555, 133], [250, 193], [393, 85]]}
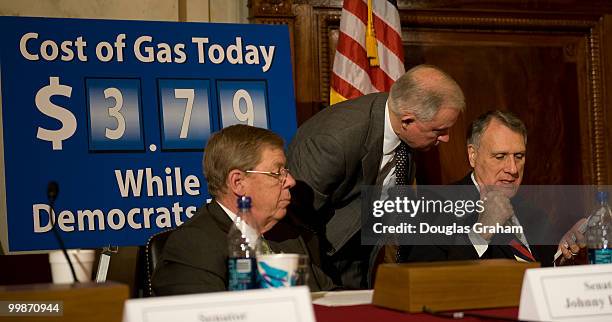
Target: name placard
{"points": [[579, 293], [270, 305]]}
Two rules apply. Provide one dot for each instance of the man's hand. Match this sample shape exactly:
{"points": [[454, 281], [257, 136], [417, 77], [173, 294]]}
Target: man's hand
{"points": [[573, 240], [497, 210]]}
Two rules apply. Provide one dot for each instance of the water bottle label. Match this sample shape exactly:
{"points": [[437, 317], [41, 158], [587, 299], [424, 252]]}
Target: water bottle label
{"points": [[242, 274], [600, 256], [243, 265]]}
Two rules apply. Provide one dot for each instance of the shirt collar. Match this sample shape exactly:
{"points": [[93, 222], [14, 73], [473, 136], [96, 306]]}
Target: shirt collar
{"points": [[251, 233], [474, 181], [391, 140], [229, 213]]}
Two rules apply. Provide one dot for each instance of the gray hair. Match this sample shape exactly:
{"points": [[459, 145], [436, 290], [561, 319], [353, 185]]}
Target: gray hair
{"points": [[480, 124], [422, 90], [235, 147]]}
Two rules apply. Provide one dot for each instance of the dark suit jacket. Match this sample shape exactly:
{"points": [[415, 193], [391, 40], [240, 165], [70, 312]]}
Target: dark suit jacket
{"points": [[531, 220], [332, 156], [194, 259]]}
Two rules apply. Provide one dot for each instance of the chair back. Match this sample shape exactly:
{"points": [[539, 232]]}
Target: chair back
{"points": [[153, 251]]}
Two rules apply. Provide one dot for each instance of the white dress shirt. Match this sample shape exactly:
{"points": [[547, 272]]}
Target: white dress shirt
{"points": [[390, 142], [251, 233], [481, 245]]}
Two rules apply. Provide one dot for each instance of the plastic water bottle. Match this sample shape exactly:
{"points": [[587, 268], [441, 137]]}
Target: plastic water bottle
{"points": [[242, 244], [599, 232]]}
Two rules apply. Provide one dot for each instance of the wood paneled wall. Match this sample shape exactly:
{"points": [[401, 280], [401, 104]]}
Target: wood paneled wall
{"points": [[550, 62]]}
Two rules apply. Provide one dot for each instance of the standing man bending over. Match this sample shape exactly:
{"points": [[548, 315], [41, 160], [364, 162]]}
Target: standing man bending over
{"points": [[369, 140]]}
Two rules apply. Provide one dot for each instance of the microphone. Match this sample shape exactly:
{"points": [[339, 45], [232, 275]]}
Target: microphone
{"points": [[52, 192]]}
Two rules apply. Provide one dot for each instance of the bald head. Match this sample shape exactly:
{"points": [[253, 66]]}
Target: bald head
{"points": [[423, 90]]}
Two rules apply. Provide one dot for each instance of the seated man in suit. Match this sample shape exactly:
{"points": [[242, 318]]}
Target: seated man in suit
{"points": [[194, 258], [496, 150]]}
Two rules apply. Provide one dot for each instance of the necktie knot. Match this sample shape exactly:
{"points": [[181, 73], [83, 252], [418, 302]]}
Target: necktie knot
{"points": [[265, 247]]}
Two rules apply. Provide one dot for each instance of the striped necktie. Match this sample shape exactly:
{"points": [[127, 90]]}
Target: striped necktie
{"points": [[401, 165], [521, 252], [265, 247]]}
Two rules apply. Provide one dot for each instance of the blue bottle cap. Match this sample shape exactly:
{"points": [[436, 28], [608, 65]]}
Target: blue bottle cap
{"points": [[244, 202], [602, 196]]}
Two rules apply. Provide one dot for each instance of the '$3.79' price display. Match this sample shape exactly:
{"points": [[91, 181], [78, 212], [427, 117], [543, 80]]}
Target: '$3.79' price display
{"points": [[114, 109]]}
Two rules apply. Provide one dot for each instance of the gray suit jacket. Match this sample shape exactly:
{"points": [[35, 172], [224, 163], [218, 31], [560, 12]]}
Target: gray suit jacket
{"points": [[332, 156], [194, 259]]}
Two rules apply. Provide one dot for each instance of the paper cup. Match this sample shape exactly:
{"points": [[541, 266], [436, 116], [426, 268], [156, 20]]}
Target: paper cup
{"points": [[82, 261], [277, 270]]}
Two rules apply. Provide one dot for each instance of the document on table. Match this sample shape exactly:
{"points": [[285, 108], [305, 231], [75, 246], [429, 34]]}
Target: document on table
{"points": [[342, 298]]}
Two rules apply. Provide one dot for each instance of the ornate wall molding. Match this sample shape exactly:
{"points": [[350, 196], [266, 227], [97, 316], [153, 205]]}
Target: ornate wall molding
{"points": [[327, 22], [596, 109], [267, 8]]}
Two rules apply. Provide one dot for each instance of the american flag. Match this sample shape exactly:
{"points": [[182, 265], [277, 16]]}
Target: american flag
{"points": [[369, 56]]}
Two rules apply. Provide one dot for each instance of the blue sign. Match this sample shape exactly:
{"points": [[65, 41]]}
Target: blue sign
{"points": [[118, 113]]}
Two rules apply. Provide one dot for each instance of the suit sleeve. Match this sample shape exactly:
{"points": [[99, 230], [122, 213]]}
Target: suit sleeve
{"points": [[319, 162], [320, 166], [175, 278], [189, 267]]}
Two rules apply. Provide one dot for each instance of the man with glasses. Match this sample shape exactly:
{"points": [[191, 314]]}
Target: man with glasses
{"points": [[239, 160], [369, 140]]}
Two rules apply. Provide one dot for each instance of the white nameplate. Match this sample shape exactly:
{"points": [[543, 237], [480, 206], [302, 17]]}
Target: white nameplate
{"points": [[290, 304], [575, 293]]}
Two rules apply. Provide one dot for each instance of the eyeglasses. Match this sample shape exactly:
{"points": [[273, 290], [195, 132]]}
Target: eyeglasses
{"points": [[281, 175]]}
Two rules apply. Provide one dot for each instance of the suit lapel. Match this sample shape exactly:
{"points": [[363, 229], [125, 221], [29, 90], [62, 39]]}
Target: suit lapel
{"points": [[219, 216], [372, 149], [507, 250], [466, 181]]}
